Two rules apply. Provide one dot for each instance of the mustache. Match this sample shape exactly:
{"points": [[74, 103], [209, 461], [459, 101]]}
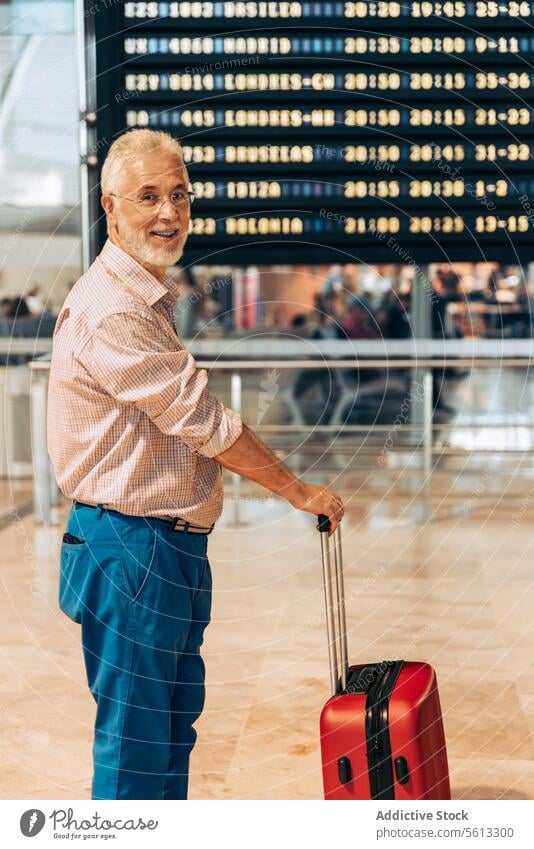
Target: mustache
{"points": [[140, 247]]}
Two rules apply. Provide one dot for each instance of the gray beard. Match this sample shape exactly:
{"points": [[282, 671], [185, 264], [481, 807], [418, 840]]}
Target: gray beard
{"points": [[138, 248]]}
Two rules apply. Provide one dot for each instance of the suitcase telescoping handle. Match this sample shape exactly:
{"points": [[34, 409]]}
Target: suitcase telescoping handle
{"points": [[334, 594]]}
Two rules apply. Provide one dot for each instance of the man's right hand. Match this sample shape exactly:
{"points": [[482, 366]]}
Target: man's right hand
{"points": [[318, 500], [250, 458]]}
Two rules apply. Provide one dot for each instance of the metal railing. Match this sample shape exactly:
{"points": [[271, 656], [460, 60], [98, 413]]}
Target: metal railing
{"points": [[46, 493]]}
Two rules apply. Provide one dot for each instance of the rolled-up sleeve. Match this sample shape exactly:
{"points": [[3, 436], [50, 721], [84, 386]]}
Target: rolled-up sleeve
{"points": [[135, 361]]}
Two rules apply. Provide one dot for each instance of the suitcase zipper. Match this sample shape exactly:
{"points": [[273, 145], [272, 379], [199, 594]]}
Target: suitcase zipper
{"points": [[377, 730]]}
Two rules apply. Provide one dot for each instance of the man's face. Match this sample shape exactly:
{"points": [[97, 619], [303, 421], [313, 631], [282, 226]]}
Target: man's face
{"points": [[155, 235]]}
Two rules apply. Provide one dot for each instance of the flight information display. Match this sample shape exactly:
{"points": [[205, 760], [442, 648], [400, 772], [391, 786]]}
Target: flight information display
{"points": [[332, 131]]}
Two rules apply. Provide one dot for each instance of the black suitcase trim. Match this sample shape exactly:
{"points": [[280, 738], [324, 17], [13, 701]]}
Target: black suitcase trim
{"points": [[377, 681]]}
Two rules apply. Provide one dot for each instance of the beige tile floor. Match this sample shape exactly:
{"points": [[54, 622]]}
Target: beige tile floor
{"points": [[456, 591]]}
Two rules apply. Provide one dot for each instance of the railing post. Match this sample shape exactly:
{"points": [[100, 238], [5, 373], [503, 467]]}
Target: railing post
{"points": [[236, 391], [41, 471], [427, 438], [421, 413]]}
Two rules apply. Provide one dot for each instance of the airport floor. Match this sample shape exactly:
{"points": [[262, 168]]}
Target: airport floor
{"points": [[448, 581]]}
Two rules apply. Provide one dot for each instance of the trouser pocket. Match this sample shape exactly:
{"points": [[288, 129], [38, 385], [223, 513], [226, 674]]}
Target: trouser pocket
{"points": [[138, 552], [72, 563]]}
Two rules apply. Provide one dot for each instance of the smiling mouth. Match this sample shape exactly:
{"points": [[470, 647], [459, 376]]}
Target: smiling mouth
{"points": [[165, 235]]}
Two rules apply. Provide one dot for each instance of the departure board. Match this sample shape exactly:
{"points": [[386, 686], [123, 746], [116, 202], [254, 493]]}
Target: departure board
{"points": [[331, 131]]}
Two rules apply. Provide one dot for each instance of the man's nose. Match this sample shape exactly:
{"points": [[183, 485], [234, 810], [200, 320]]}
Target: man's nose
{"points": [[168, 210]]}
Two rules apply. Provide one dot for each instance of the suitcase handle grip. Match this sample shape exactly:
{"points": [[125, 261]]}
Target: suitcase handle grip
{"points": [[334, 592]]}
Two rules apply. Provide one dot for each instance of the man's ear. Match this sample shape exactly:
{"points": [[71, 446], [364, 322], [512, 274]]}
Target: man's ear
{"points": [[107, 203]]}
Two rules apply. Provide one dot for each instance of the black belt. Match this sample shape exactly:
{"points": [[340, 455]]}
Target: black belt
{"points": [[177, 523]]}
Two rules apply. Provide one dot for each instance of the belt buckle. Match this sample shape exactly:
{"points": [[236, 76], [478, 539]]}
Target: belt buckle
{"points": [[181, 525], [196, 529]]}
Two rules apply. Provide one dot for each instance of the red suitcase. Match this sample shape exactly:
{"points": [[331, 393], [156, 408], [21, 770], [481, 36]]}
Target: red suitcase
{"points": [[381, 730]]}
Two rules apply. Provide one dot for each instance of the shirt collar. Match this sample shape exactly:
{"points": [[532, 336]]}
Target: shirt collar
{"points": [[135, 275]]}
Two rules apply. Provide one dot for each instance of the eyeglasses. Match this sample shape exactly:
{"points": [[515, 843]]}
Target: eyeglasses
{"points": [[151, 201]]}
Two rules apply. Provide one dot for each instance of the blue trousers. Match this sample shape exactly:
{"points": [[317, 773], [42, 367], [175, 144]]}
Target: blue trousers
{"points": [[142, 595]]}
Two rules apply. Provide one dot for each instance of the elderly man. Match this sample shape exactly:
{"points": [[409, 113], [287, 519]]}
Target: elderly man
{"points": [[137, 442]]}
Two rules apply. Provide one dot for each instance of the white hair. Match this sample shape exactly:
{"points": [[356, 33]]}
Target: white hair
{"points": [[129, 146]]}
